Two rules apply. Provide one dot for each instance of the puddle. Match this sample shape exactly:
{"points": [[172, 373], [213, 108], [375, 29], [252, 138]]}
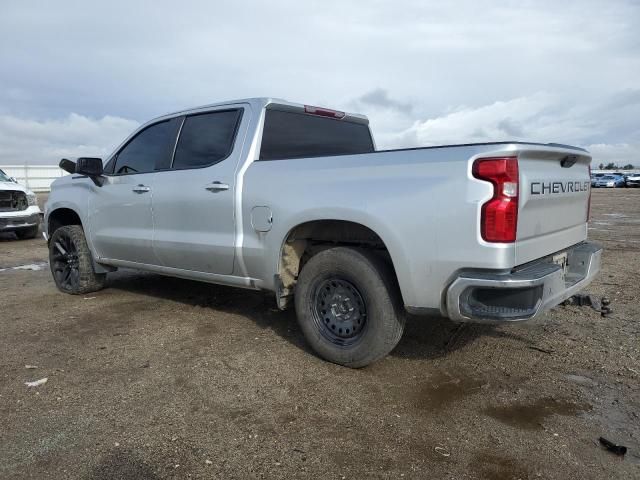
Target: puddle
{"points": [[443, 388], [31, 266], [530, 416]]}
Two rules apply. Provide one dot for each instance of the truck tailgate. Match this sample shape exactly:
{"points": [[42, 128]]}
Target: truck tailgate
{"points": [[554, 201]]}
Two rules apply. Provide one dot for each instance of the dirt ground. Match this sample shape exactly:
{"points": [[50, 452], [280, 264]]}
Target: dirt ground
{"points": [[157, 378]]}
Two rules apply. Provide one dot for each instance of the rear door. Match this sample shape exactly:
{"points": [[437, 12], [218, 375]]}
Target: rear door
{"points": [[554, 202], [120, 220], [193, 202]]}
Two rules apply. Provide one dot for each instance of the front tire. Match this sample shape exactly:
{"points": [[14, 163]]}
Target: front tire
{"points": [[71, 262], [348, 306]]}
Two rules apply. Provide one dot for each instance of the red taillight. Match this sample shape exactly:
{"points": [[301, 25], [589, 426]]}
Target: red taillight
{"points": [[323, 112], [499, 219], [589, 204]]}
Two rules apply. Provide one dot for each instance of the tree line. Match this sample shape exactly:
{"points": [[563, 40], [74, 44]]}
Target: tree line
{"points": [[614, 166]]}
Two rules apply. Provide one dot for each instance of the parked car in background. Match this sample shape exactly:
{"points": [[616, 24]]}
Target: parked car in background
{"points": [[610, 181], [19, 211], [633, 180], [595, 177]]}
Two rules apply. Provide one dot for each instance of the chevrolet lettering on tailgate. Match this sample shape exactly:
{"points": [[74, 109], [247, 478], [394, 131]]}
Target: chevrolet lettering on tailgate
{"points": [[546, 188]]}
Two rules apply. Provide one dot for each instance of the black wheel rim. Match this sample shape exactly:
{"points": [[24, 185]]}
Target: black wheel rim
{"points": [[65, 263], [339, 312]]}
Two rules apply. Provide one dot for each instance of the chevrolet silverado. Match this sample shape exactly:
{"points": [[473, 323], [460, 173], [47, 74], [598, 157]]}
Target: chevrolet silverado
{"points": [[271, 195]]}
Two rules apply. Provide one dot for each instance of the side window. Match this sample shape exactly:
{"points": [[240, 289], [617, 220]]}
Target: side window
{"points": [[151, 146], [206, 139]]}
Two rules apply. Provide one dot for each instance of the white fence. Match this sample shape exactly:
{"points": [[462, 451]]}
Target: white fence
{"points": [[35, 177]]}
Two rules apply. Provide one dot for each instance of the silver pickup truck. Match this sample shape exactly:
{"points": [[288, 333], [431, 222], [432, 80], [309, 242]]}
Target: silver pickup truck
{"points": [[271, 195]]}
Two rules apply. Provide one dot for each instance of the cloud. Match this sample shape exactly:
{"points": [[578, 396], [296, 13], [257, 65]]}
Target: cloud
{"points": [[46, 142], [541, 117], [137, 62], [427, 72], [501, 120], [380, 98], [608, 128], [620, 154]]}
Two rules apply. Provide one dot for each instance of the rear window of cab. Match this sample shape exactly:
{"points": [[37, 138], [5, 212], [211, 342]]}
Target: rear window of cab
{"points": [[289, 135]]}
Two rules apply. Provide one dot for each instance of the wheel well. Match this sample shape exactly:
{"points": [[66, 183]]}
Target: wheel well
{"points": [[62, 217], [309, 238]]}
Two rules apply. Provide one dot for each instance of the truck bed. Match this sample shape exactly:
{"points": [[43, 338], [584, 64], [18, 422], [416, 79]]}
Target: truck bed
{"points": [[425, 204]]}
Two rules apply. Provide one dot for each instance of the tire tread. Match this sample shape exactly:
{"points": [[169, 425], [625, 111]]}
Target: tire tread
{"points": [[89, 280], [380, 282]]}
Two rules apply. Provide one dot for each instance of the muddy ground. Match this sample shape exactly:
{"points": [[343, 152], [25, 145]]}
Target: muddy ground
{"points": [[163, 378]]}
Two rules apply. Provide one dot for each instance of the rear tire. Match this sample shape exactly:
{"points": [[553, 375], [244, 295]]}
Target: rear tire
{"points": [[348, 306], [71, 262], [26, 233]]}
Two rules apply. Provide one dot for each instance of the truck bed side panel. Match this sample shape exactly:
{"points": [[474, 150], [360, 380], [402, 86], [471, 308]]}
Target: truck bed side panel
{"points": [[424, 204], [420, 202]]}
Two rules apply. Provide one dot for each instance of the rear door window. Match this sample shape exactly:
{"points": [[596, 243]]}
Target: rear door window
{"points": [[206, 139], [298, 135], [152, 146]]}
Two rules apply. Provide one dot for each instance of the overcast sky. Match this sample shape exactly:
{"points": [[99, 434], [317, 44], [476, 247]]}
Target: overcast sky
{"points": [[77, 77]]}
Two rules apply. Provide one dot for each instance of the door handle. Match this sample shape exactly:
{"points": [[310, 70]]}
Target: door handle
{"points": [[141, 189], [217, 187]]}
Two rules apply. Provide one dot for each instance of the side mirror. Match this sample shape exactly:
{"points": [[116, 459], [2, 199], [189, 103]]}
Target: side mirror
{"points": [[89, 166], [13, 179], [67, 165]]}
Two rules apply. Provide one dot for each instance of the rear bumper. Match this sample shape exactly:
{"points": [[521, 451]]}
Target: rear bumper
{"points": [[524, 293]]}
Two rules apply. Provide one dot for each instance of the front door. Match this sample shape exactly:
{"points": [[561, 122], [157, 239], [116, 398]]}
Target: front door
{"points": [[120, 217], [193, 203]]}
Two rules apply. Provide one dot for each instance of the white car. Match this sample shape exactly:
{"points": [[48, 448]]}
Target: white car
{"points": [[610, 181], [633, 180], [19, 211]]}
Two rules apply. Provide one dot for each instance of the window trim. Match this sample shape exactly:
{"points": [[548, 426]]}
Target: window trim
{"points": [[183, 118], [232, 145]]}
